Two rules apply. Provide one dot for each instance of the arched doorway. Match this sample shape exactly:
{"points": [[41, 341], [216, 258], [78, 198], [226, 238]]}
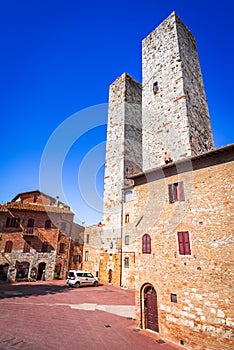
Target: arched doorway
{"points": [[3, 272], [41, 271], [109, 276], [150, 308]]}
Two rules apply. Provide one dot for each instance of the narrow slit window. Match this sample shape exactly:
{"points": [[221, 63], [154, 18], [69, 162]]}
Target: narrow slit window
{"points": [[173, 298], [126, 262], [155, 87], [127, 240]]}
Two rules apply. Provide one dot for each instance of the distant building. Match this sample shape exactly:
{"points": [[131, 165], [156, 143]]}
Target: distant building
{"points": [[38, 238]]}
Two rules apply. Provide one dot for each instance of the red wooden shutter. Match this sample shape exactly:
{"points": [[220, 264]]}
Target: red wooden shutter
{"points": [[171, 193], [8, 247], [181, 243], [27, 247], [146, 244], [187, 244], [180, 191], [184, 243]]}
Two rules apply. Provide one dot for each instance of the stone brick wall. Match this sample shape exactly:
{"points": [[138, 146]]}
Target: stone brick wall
{"points": [[123, 153], [175, 118], [203, 315], [91, 249]]}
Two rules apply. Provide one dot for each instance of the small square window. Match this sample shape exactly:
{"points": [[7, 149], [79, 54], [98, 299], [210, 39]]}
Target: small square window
{"points": [[155, 87], [127, 218], [173, 298], [176, 192], [126, 262], [127, 239]]}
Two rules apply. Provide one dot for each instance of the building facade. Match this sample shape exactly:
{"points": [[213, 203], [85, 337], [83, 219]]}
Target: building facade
{"points": [[36, 238], [178, 250], [168, 193]]}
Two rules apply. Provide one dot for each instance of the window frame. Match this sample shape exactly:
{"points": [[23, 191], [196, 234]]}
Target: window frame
{"points": [[146, 244], [47, 224], [126, 262], [126, 240], [8, 247], [184, 246], [44, 247], [62, 248], [176, 192], [127, 217], [86, 255], [30, 223], [27, 247]]}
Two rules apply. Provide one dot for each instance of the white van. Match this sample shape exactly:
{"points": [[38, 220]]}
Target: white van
{"points": [[78, 278]]}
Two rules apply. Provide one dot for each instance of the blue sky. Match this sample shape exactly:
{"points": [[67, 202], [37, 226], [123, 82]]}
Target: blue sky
{"points": [[59, 57]]}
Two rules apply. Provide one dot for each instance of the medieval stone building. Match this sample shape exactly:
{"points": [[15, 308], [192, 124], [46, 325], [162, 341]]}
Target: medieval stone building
{"points": [[168, 193], [38, 238]]}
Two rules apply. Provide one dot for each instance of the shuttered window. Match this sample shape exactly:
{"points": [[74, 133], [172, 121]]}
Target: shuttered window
{"points": [[184, 243], [8, 247], [176, 192], [13, 222], [126, 262], [62, 248], [146, 244], [30, 223], [27, 246], [48, 224]]}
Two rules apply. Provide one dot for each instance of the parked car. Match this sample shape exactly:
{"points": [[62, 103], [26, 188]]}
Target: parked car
{"points": [[78, 278]]}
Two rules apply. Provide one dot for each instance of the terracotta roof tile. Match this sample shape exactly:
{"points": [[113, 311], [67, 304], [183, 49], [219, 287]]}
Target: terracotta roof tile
{"points": [[34, 207]]}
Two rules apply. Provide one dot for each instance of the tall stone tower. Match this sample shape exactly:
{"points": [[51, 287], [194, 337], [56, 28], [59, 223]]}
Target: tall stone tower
{"points": [[168, 113], [123, 153], [175, 117]]}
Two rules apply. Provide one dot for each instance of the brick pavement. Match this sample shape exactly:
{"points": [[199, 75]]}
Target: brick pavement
{"points": [[49, 315]]}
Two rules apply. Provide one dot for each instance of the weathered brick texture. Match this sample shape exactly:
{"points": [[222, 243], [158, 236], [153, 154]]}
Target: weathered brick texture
{"points": [[203, 316], [52, 246]]}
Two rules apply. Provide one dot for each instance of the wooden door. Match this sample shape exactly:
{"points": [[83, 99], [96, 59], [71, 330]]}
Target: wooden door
{"points": [[151, 309]]}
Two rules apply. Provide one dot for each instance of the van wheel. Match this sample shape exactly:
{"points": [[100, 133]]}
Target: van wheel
{"points": [[77, 285], [95, 284]]}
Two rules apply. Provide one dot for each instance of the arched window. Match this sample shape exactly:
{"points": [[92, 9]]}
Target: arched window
{"points": [[44, 247], [8, 247], [48, 224], [27, 245], [146, 244], [62, 248], [30, 223]]}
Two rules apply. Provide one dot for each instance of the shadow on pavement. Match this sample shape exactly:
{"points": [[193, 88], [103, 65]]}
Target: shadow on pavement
{"points": [[34, 288]]}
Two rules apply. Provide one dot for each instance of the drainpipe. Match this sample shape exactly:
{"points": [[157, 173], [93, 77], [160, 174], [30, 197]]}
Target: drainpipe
{"points": [[121, 235]]}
